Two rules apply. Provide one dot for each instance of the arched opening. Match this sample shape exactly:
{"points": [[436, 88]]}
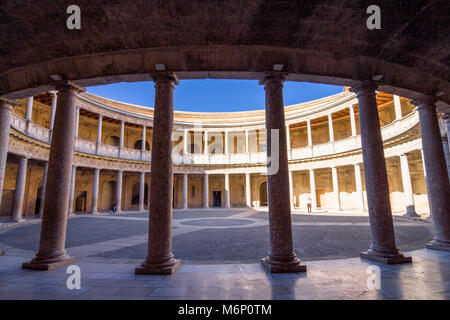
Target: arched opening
{"points": [[263, 194], [138, 145], [113, 141], [37, 204], [80, 201], [135, 194]]}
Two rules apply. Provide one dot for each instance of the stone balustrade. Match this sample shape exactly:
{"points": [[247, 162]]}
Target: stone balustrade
{"points": [[390, 131]]}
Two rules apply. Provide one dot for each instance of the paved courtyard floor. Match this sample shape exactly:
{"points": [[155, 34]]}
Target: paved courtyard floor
{"points": [[220, 252]]}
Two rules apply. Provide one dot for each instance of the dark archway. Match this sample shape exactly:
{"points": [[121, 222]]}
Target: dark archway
{"points": [[263, 194], [138, 145]]}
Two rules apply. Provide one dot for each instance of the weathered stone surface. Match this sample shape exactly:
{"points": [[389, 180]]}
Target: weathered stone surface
{"points": [[281, 256], [327, 39], [160, 259], [382, 247], [52, 253], [437, 180]]}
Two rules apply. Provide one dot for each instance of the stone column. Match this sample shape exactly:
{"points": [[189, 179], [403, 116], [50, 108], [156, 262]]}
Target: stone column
{"points": [[205, 191], [6, 107], [52, 253], [160, 259], [227, 191], [119, 191], [308, 126], [95, 186], [20, 190], [248, 193], [437, 180], [407, 187], [397, 107], [226, 142], [77, 122], [334, 175], [185, 141], [246, 141], [52, 112], [144, 137], [352, 120], [72, 190], [281, 256], [44, 183], [29, 109], [288, 137], [206, 143], [330, 127], [383, 248], [122, 133], [185, 191], [291, 190], [99, 130], [312, 189], [141, 191], [359, 189]]}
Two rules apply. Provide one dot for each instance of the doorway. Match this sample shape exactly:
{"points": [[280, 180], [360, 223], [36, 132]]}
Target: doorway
{"points": [[217, 198], [263, 194]]}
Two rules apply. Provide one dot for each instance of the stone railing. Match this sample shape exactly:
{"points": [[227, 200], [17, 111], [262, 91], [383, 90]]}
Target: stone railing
{"points": [[389, 131]]}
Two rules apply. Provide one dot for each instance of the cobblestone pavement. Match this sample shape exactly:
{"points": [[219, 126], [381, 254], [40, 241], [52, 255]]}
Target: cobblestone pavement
{"points": [[220, 250]]}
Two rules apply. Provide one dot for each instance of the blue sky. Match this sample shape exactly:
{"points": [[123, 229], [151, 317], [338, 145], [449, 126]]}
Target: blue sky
{"points": [[214, 95]]}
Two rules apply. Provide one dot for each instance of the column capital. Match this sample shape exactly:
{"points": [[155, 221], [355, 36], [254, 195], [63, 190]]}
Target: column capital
{"points": [[165, 76], [424, 101], [273, 77], [53, 93], [364, 87], [68, 85], [8, 103]]}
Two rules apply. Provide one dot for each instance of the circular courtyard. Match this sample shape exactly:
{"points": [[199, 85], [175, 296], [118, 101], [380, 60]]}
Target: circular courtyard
{"points": [[215, 236]]}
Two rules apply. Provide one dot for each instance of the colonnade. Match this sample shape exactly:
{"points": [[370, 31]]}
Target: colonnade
{"points": [[281, 258]]}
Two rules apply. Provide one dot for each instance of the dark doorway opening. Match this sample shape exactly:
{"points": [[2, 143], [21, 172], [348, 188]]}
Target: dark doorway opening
{"points": [[217, 198]]}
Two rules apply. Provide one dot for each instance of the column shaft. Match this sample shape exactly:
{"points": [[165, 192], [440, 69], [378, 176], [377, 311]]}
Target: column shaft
{"points": [[359, 189], [122, 133], [20, 190], [248, 194], [206, 151], [141, 191], [160, 259], [52, 111], [437, 180], [352, 121], [383, 248], [397, 107], [144, 137], [29, 109], [407, 187], [227, 191], [312, 189], [226, 142], [77, 122], [6, 107], [205, 191], [281, 257], [246, 141], [185, 141], [52, 253], [308, 127], [185, 191], [330, 127], [119, 191], [44, 183], [337, 201], [72, 190], [94, 209]]}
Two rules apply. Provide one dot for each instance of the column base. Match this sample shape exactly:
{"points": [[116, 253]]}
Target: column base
{"points": [[274, 266], [439, 245], [385, 257], [162, 268], [411, 214], [16, 220], [48, 264]]}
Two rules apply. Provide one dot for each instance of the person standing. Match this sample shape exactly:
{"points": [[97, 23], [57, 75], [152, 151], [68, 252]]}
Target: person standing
{"points": [[309, 203]]}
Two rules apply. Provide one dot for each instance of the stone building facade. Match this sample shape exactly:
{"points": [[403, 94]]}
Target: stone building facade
{"points": [[220, 158]]}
